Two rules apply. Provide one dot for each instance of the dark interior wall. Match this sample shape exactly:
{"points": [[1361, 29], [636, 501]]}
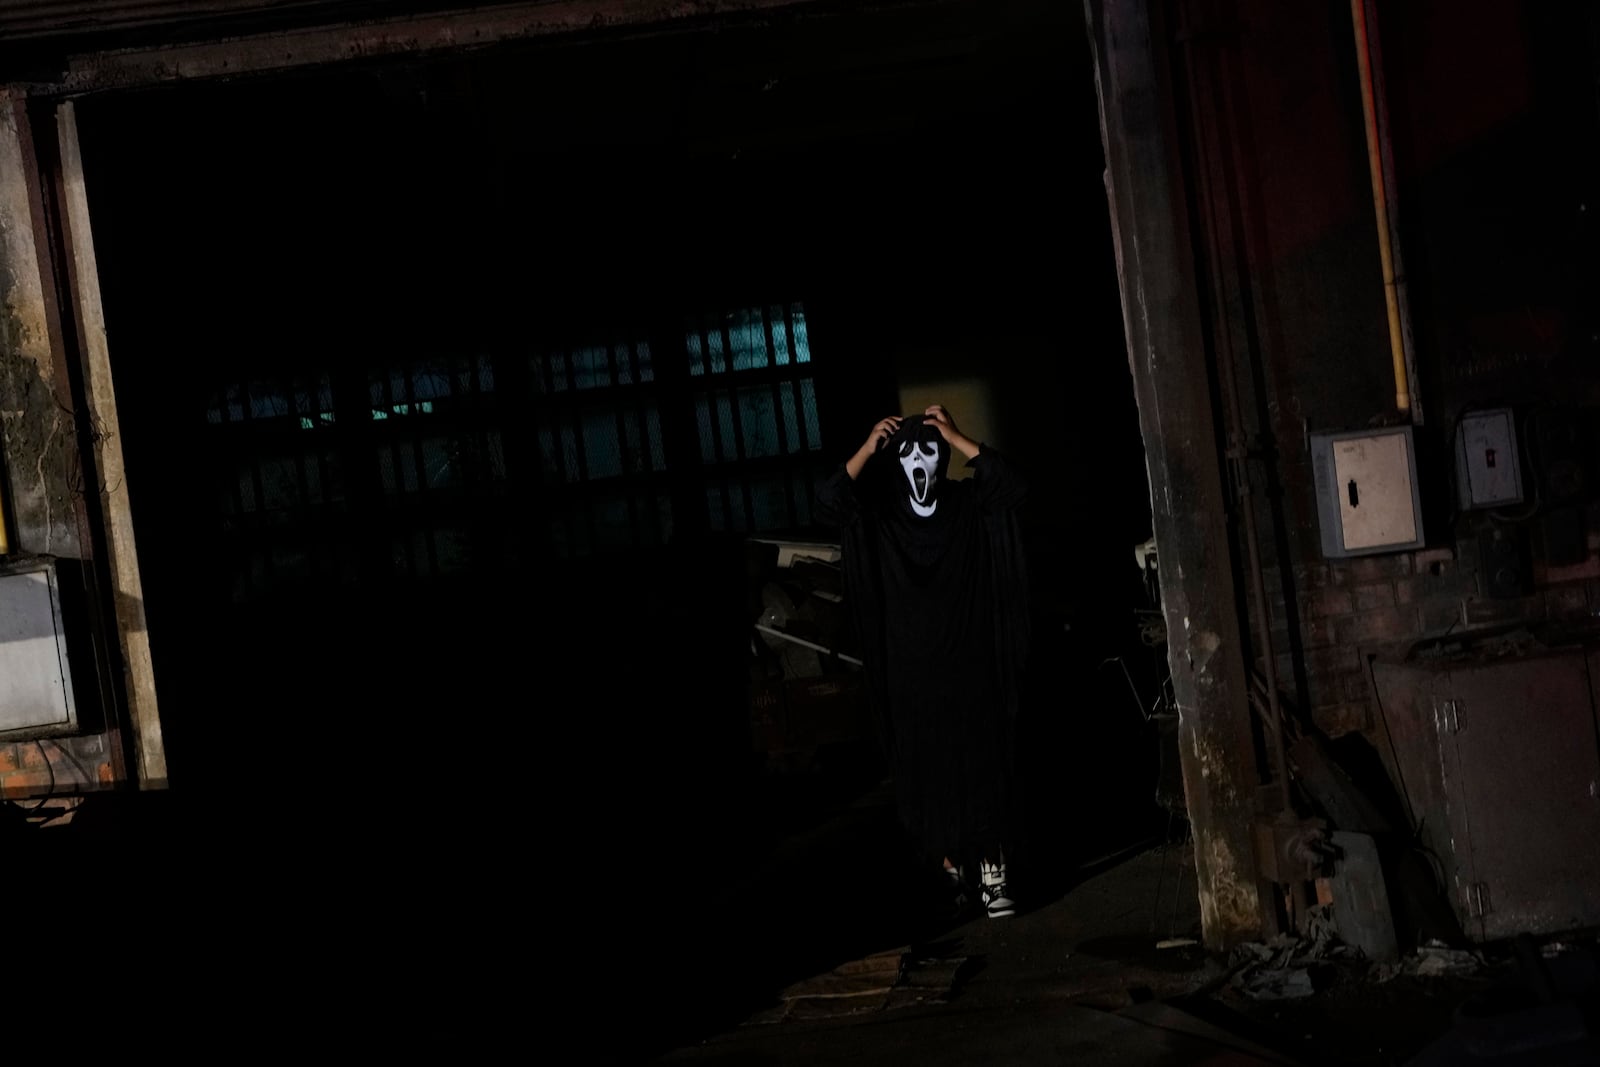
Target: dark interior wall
{"points": [[1298, 108], [1496, 154], [1493, 130], [922, 181], [917, 191], [1493, 124], [1272, 108]]}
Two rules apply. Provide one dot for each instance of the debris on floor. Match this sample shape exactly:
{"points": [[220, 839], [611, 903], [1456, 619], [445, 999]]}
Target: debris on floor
{"points": [[1434, 959], [1285, 983], [884, 981], [1285, 968]]}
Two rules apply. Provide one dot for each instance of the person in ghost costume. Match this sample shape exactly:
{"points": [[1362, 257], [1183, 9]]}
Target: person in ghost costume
{"points": [[936, 582]]}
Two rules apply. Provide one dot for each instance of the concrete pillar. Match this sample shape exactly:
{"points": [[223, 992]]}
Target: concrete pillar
{"points": [[38, 438], [1172, 383]]}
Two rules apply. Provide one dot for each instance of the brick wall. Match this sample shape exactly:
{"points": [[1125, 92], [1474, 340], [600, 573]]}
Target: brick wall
{"points": [[1346, 610], [55, 767]]}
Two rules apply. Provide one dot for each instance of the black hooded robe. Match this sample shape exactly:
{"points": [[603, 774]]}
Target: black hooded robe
{"points": [[941, 609]]}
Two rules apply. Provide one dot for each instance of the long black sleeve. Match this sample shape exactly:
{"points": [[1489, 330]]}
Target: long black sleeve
{"points": [[837, 503], [998, 484]]}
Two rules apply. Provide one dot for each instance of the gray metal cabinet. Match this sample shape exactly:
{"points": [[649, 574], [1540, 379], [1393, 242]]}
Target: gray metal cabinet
{"points": [[35, 678], [1499, 753]]}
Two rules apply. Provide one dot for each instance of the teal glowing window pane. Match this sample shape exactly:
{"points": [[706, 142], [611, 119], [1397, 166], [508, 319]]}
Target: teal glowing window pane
{"points": [[802, 343], [770, 500], [756, 419], [730, 442], [780, 336], [748, 338], [602, 453], [793, 440], [808, 400], [715, 356], [702, 414]]}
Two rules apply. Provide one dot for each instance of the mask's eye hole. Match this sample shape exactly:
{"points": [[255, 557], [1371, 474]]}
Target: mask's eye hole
{"points": [[905, 449], [930, 449]]}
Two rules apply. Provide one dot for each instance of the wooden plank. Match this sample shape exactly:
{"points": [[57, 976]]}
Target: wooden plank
{"points": [[479, 27], [877, 974], [808, 1008], [128, 588]]}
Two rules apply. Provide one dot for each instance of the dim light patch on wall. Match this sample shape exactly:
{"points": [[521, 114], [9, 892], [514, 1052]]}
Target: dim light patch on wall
{"points": [[970, 404]]}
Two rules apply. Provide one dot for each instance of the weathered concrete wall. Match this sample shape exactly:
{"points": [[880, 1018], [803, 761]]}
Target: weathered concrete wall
{"points": [[37, 437], [43, 474], [1495, 151]]}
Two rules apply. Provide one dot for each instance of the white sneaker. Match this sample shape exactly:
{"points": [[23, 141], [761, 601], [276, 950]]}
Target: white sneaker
{"points": [[996, 901]]}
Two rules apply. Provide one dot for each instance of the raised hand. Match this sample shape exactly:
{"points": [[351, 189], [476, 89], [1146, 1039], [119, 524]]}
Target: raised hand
{"points": [[958, 441], [880, 433], [885, 429], [941, 419]]}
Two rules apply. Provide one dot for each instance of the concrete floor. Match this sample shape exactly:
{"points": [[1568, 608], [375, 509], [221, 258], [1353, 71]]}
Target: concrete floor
{"points": [[1077, 978], [440, 925]]}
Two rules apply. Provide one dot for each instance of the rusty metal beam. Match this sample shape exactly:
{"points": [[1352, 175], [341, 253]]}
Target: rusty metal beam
{"points": [[412, 36], [38, 18], [1173, 386]]}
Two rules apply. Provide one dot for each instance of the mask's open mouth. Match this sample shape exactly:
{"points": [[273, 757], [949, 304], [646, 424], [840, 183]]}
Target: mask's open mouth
{"points": [[919, 485]]}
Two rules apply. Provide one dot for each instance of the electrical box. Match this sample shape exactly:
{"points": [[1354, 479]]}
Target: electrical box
{"points": [[35, 679], [1488, 473], [1367, 500]]}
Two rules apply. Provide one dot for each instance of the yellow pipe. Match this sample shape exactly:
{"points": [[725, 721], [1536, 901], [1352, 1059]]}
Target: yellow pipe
{"points": [[5, 537], [1397, 351]]}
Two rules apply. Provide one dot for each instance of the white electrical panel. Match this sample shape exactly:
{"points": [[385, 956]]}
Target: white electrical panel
{"points": [[1488, 473], [35, 682], [1367, 499]]}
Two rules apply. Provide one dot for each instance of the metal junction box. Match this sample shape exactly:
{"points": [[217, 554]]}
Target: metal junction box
{"points": [[1367, 499], [35, 677], [1488, 473]]}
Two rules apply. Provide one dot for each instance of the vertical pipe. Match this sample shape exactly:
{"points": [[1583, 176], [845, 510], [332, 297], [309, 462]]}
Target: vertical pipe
{"points": [[129, 597], [5, 535], [1391, 192], [1397, 353], [1203, 88]]}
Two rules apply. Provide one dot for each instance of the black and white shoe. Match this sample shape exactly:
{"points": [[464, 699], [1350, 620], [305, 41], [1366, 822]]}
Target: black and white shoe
{"points": [[996, 900]]}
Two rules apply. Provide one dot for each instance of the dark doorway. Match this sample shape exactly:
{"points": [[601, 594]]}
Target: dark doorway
{"points": [[451, 390]]}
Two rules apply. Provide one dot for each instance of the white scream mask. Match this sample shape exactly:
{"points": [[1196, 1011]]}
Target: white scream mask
{"points": [[920, 461]]}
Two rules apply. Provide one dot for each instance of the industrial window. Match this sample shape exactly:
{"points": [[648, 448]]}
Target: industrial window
{"points": [[428, 466], [601, 447], [752, 406], [434, 429], [408, 481], [755, 403], [280, 490]]}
